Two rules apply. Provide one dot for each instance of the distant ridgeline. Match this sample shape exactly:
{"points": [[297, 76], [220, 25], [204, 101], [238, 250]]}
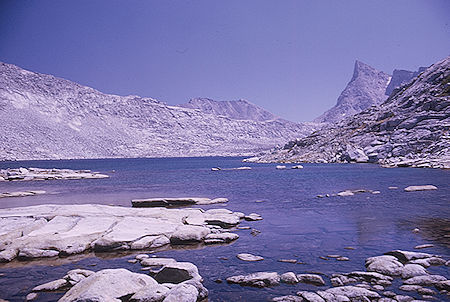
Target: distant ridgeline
{"points": [[44, 117], [410, 128]]}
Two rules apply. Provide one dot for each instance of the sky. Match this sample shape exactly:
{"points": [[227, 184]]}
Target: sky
{"points": [[292, 58]]}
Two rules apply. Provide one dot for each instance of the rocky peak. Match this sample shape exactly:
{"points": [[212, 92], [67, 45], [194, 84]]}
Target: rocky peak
{"points": [[366, 88], [239, 110]]}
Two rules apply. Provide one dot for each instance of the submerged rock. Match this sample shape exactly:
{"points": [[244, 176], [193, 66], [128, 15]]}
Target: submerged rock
{"points": [[249, 257]]}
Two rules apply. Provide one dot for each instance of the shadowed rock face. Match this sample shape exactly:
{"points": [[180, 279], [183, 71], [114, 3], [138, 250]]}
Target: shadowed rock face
{"points": [[238, 110], [44, 117], [402, 77], [410, 129], [366, 88]]}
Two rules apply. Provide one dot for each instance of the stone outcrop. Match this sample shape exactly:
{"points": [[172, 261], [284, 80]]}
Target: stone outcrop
{"points": [[22, 174], [410, 129], [175, 281], [58, 230], [367, 285], [176, 201], [44, 117]]}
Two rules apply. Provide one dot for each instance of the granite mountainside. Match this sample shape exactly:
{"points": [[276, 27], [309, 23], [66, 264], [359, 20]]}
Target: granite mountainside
{"points": [[410, 129], [45, 117]]}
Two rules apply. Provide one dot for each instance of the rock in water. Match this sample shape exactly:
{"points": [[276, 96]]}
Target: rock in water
{"points": [[108, 285], [420, 188], [259, 279], [249, 257]]}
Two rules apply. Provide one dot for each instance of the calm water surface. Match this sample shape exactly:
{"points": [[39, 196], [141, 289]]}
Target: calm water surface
{"points": [[296, 225]]}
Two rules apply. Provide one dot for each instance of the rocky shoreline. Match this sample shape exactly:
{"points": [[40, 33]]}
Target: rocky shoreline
{"points": [[23, 174], [60, 230]]}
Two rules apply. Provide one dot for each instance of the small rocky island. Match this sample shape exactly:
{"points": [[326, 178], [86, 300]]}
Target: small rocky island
{"points": [[23, 174]]}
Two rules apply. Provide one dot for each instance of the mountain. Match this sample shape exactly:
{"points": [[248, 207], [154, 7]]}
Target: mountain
{"points": [[237, 110], [400, 78], [44, 117], [410, 129], [366, 88]]}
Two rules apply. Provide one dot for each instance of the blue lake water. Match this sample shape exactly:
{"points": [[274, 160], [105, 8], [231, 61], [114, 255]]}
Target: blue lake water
{"points": [[296, 225]]}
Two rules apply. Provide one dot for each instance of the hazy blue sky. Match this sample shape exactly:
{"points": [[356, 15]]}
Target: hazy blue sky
{"points": [[290, 57]]}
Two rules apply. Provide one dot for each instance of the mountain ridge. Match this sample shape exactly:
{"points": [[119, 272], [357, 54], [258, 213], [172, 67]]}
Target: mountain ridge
{"points": [[45, 117], [411, 128]]}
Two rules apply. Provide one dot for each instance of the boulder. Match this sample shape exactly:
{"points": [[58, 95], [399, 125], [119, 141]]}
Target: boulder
{"points": [[405, 256], [289, 278], [52, 285], [177, 272], [150, 293], [108, 285], [225, 237], [280, 167], [413, 270], [425, 280], [259, 279], [311, 279], [188, 234], [310, 296], [354, 292], [386, 265], [253, 217], [182, 293]]}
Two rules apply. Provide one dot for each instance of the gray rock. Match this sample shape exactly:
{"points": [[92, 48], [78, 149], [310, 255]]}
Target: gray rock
{"points": [[222, 237], [150, 293], [52, 285], [177, 272], [253, 217], [259, 279], [420, 188], [155, 261], [249, 257], [425, 280], [403, 298], [31, 296], [288, 298], [405, 256], [182, 293], [329, 297], [289, 278], [311, 279], [26, 253], [424, 246], [443, 285], [386, 265], [98, 287], [189, 234], [413, 270], [310, 296], [410, 288], [353, 292]]}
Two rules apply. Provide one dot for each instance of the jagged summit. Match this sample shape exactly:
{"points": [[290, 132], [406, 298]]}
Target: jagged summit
{"points": [[366, 88], [45, 117], [239, 109], [411, 128]]}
